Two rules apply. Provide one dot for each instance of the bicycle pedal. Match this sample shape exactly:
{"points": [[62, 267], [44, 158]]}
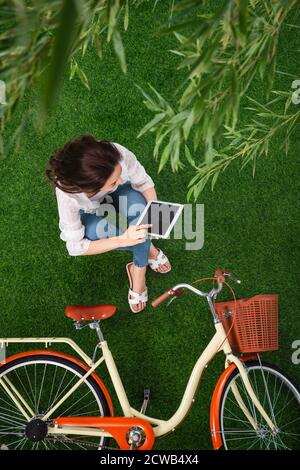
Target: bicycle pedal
{"points": [[146, 400]]}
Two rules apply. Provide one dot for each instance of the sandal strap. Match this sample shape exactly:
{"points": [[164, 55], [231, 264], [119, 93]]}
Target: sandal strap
{"points": [[159, 261], [135, 298]]}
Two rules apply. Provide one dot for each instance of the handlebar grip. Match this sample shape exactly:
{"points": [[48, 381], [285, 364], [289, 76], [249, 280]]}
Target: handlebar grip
{"points": [[219, 275], [159, 300], [169, 293]]}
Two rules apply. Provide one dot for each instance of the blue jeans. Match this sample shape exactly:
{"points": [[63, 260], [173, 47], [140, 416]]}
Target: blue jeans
{"points": [[128, 202]]}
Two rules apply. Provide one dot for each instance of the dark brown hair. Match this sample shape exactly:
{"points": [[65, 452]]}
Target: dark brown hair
{"points": [[83, 164]]}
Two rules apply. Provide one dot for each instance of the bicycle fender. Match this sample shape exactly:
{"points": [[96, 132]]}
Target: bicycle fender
{"points": [[215, 426]]}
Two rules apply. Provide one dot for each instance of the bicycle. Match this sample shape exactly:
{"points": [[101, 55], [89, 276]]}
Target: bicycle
{"points": [[52, 400]]}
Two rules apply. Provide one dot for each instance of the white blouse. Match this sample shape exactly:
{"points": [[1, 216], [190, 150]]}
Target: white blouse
{"points": [[71, 227]]}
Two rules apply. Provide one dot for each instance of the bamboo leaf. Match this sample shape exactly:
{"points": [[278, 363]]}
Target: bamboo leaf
{"points": [[73, 70], [83, 77], [62, 48], [119, 49], [189, 157], [126, 16], [243, 16], [188, 124], [151, 124], [164, 157], [214, 180]]}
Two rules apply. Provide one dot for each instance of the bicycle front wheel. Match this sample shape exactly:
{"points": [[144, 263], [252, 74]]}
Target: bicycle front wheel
{"points": [[279, 396], [42, 380]]}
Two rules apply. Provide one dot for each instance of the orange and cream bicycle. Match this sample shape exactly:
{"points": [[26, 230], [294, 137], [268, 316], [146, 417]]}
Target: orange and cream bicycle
{"points": [[50, 400]]}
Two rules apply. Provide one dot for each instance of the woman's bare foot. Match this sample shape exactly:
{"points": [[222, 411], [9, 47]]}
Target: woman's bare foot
{"points": [[138, 284], [153, 255]]}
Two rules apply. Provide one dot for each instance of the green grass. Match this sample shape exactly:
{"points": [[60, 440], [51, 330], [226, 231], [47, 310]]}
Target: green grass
{"points": [[251, 228]]}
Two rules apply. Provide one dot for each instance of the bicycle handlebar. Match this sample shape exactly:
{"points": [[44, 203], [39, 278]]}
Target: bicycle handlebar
{"points": [[178, 290], [173, 292]]}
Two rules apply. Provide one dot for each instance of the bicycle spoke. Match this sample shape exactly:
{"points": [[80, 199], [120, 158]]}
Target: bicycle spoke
{"points": [[277, 396], [41, 387], [77, 401], [52, 388], [44, 383], [236, 416]]}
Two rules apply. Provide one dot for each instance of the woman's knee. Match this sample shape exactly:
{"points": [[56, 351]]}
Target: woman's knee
{"points": [[136, 205], [91, 231], [131, 202]]}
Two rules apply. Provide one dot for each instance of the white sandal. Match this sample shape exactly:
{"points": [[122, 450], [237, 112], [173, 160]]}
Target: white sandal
{"points": [[135, 298], [159, 261]]}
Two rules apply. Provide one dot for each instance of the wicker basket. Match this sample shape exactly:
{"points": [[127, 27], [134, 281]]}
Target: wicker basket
{"points": [[255, 323]]}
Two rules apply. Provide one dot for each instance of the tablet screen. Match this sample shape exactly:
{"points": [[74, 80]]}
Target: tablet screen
{"points": [[162, 215]]}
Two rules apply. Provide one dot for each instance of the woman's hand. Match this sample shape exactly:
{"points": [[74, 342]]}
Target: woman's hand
{"points": [[134, 235]]}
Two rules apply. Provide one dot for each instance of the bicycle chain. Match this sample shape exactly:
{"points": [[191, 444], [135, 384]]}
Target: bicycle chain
{"points": [[73, 441]]}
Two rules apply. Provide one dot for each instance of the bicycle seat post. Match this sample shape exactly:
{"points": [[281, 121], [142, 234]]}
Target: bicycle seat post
{"points": [[95, 325]]}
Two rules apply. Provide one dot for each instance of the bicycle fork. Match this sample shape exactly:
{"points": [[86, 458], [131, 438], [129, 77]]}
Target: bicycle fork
{"points": [[251, 393]]}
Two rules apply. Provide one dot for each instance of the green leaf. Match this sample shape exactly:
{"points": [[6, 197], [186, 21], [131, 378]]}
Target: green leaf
{"points": [[188, 124], [83, 77], [197, 137], [189, 157], [209, 151], [158, 141], [150, 103], [179, 37], [243, 17], [164, 157], [162, 101], [73, 70], [189, 193], [214, 180], [62, 48], [151, 124], [119, 49], [271, 76], [112, 11], [126, 16], [179, 117]]}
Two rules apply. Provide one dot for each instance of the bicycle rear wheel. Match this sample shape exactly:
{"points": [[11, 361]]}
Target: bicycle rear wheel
{"points": [[43, 380], [280, 397]]}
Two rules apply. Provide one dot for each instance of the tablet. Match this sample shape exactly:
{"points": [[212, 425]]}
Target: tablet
{"points": [[163, 216]]}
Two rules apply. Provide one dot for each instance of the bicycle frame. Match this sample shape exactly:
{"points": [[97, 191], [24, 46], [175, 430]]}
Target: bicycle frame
{"points": [[86, 426], [218, 343]]}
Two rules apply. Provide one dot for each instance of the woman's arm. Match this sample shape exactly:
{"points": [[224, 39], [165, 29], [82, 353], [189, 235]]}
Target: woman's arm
{"points": [[134, 235], [107, 244], [150, 194]]}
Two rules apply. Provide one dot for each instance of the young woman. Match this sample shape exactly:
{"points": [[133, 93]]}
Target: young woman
{"points": [[87, 173]]}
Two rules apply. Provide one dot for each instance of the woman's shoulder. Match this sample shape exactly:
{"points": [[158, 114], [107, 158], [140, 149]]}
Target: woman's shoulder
{"points": [[128, 157], [123, 150], [64, 196]]}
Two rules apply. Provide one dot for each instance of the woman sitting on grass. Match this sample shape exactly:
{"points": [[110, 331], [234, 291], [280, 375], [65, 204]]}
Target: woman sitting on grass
{"points": [[86, 172]]}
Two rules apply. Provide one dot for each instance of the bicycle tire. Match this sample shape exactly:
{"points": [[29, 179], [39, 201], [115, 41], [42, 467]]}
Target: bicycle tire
{"points": [[55, 359], [251, 365]]}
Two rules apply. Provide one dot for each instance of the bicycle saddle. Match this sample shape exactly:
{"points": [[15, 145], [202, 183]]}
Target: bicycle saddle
{"points": [[90, 312]]}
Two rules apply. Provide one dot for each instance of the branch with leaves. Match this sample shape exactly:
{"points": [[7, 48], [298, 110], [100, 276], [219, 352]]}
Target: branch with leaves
{"points": [[40, 39], [251, 142], [222, 54]]}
